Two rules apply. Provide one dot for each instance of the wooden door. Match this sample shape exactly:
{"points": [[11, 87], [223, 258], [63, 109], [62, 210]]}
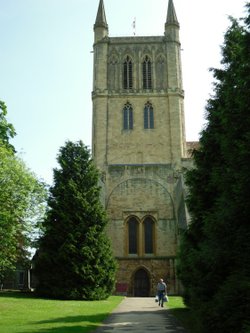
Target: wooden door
{"points": [[141, 284]]}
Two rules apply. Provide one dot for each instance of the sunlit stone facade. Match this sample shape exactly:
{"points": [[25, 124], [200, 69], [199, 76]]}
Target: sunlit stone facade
{"points": [[139, 145]]}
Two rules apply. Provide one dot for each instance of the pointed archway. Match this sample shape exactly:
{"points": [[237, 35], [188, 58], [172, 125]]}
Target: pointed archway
{"points": [[141, 283]]}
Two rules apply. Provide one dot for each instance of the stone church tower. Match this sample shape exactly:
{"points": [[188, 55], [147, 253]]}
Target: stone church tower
{"points": [[138, 143]]}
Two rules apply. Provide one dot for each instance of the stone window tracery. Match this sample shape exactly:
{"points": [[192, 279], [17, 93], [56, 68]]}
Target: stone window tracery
{"points": [[148, 235], [113, 73], [147, 73], [160, 68], [148, 116], [127, 117], [133, 236], [128, 73], [141, 236]]}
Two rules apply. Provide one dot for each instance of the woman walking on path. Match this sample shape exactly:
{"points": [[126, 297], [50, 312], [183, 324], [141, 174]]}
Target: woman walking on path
{"points": [[161, 291]]}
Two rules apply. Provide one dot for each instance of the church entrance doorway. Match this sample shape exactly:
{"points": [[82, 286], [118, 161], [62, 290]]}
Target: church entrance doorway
{"points": [[141, 283]]}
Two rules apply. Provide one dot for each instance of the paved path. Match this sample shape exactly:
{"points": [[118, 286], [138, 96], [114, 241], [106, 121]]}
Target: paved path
{"points": [[140, 315]]}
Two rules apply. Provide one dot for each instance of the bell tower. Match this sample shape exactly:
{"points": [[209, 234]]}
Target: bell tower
{"points": [[139, 145]]}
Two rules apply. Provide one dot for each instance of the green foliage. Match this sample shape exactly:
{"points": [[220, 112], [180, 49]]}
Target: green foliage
{"points": [[177, 308], [21, 312], [214, 260], [74, 260], [22, 204], [7, 130]]}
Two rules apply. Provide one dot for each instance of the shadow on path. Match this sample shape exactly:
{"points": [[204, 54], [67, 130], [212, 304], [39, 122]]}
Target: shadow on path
{"points": [[140, 315]]}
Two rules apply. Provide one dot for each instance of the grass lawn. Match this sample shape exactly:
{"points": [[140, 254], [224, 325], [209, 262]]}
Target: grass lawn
{"points": [[182, 313], [23, 313]]}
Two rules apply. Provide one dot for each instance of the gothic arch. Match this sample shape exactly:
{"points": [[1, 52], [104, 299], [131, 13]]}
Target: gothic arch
{"points": [[147, 56], [141, 282], [132, 234], [128, 72], [148, 116], [113, 71], [127, 116], [147, 72], [137, 182], [148, 237], [150, 216], [160, 58], [140, 235], [127, 50], [128, 56], [160, 69], [113, 59], [147, 51]]}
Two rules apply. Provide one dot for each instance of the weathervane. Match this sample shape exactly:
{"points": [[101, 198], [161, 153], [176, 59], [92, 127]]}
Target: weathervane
{"points": [[134, 26]]}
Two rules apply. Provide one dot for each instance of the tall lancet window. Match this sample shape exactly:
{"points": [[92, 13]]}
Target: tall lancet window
{"points": [[146, 72], [127, 117], [148, 235], [148, 116], [113, 73], [128, 73], [132, 236], [160, 73]]}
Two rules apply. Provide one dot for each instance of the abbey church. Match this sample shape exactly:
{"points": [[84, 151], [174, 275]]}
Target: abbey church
{"points": [[139, 146]]}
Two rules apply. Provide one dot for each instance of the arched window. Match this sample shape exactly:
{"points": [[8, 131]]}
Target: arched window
{"points": [[160, 72], [148, 116], [113, 73], [146, 72], [132, 236], [127, 73], [127, 116], [148, 235]]}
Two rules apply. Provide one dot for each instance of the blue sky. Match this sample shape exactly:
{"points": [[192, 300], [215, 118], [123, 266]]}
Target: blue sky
{"points": [[46, 64]]}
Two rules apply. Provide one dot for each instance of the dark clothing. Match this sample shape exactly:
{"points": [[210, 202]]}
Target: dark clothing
{"points": [[161, 295], [161, 291]]}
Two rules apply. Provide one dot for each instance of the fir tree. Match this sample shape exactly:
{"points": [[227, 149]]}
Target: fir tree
{"points": [[74, 260], [214, 260]]}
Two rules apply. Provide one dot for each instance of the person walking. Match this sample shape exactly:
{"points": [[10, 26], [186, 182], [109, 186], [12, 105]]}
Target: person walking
{"points": [[161, 291]]}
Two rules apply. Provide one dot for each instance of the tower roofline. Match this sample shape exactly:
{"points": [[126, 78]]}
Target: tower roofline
{"points": [[171, 14], [101, 21]]}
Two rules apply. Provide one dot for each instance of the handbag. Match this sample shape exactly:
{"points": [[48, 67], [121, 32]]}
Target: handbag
{"points": [[156, 298], [165, 298]]}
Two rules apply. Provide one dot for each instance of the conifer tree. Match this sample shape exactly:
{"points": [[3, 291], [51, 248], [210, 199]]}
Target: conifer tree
{"points": [[74, 260], [214, 260]]}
